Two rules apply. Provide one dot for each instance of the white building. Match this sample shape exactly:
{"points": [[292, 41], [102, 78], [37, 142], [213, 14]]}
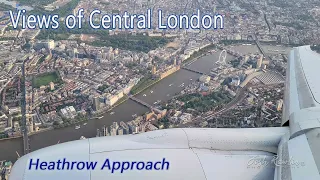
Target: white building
{"points": [[204, 79]]}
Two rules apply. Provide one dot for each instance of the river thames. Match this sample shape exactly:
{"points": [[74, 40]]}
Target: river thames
{"points": [[161, 91]]}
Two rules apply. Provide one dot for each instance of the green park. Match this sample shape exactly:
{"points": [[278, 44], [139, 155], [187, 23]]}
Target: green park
{"points": [[45, 79]]}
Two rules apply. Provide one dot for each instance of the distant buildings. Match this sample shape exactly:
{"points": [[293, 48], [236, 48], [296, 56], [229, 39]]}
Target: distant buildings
{"points": [[104, 132], [232, 93], [14, 111], [69, 112], [168, 71], [73, 53], [235, 81], [204, 79], [185, 118], [47, 44], [112, 99], [5, 169], [133, 127]]}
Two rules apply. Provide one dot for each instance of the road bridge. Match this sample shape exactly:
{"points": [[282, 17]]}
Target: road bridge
{"points": [[261, 49], [196, 71], [229, 51], [145, 104], [192, 70]]}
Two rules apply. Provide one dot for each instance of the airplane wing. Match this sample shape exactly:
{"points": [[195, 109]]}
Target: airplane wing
{"points": [[192, 154], [300, 151], [201, 154]]}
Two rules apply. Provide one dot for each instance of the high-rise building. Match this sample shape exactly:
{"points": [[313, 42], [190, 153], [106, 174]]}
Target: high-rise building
{"points": [[175, 62], [98, 133], [105, 131], [116, 51], [279, 104], [111, 56], [51, 84], [154, 70], [259, 62], [73, 53], [110, 50], [96, 103], [113, 131], [265, 66], [125, 127], [115, 124], [120, 131], [30, 124]]}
